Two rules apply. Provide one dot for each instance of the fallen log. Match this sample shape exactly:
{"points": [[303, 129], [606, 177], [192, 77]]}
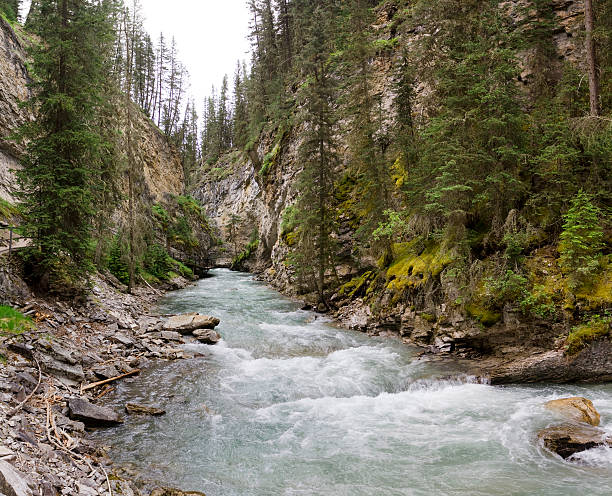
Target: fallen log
{"points": [[112, 379]]}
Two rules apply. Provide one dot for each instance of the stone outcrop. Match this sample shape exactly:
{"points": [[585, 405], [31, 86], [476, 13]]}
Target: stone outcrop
{"points": [[577, 409], [569, 439]]}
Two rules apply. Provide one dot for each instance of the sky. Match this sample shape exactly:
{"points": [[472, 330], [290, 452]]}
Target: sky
{"points": [[211, 36]]}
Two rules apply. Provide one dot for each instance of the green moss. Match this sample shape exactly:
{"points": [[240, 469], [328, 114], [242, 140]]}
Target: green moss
{"points": [[413, 266], [597, 294], [291, 238], [357, 286], [269, 160], [249, 250], [483, 315], [428, 317], [7, 210], [583, 335]]}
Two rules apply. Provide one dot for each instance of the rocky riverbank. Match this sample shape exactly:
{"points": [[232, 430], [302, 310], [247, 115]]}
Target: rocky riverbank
{"points": [[55, 376]]}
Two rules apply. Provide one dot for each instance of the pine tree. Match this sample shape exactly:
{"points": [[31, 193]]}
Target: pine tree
{"points": [[10, 8], [314, 252], [60, 176]]}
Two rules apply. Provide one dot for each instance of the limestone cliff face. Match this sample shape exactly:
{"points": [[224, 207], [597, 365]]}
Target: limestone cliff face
{"points": [[159, 162], [13, 90]]}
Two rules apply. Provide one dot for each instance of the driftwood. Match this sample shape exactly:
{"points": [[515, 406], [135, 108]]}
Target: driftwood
{"points": [[112, 379]]}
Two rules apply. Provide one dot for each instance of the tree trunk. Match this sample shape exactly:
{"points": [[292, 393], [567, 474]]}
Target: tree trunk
{"points": [[591, 59]]}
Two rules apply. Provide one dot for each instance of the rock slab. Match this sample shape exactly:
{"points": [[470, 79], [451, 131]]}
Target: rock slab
{"points": [[577, 409], [12, 483], [92, 415], [189, 322], [134, 409]]}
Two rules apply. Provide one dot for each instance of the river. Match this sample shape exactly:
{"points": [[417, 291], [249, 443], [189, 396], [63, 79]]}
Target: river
{"points": [[290, 404]]}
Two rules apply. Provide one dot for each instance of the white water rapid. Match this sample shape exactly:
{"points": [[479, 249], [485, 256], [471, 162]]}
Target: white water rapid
{"points": [[289, 404]]}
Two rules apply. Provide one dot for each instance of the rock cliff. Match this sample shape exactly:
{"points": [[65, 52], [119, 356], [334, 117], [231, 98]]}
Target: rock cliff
{"points": [[13, 90]]}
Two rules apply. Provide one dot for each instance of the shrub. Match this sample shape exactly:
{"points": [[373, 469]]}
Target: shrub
{"points": [[13, 322], [583, 335]]}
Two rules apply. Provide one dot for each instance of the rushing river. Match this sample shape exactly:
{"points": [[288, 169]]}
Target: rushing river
{"points": [[290, 404]]}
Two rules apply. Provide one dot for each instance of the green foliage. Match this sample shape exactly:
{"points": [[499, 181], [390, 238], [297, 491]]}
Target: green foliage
{"points": [[7, 210], [247, 253], [13, 322], [9, 9], [583, 335], [581, 239], [117, 260], [517, 289]]}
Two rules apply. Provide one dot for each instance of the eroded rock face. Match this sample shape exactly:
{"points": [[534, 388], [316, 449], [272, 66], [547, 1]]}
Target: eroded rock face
{"points": [[568, 439], [577, 409], [92, 415]]}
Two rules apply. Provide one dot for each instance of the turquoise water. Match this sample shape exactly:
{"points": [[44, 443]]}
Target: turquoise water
{"points": [[290, 404]]}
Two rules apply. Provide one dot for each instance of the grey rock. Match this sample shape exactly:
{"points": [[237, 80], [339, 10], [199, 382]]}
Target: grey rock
{"points": [[171, 336], [56, 368], [207, 336], [92, 415], [187, 323], [105, 371], [12, 482]]}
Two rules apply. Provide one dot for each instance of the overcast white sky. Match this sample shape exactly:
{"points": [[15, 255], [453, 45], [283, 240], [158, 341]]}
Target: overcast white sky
{"points": [[211, 36]]}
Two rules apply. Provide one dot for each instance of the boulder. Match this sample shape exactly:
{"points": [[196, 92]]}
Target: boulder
{"points": [[134, 409], [207, 336], [577, 409], [205, 322], [92, 415], [187, 323], [180, 323], [568, 439], [12, 482]]}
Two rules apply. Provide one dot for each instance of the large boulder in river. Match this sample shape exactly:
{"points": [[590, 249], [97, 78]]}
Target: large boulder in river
{"points": [[207, 336], [568, 439], [577, 409], [189, 322], [92, 415]]}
